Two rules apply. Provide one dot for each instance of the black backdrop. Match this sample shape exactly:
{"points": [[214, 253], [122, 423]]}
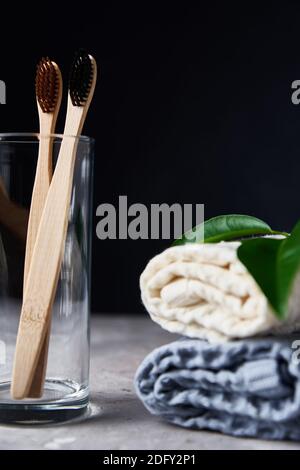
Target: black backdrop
{"points": [[193, 106]]}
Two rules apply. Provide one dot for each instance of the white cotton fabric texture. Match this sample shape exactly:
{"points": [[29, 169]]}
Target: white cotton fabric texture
{"points": [[204, 291]]}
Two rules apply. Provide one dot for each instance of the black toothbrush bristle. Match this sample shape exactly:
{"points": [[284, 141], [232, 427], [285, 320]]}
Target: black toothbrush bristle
{"points": [[47, 85], [81, 78]]}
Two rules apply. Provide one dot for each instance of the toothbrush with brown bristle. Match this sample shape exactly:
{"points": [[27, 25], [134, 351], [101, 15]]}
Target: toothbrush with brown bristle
{"points": [[48, 249], [48, 90]]}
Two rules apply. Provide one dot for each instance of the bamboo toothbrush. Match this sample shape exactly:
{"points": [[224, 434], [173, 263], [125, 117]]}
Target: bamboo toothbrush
{"points": [[48, 89], [48, 249]]}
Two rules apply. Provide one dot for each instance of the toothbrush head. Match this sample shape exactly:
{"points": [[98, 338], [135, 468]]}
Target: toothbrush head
{"points": [[82, 78], [47, 85]]}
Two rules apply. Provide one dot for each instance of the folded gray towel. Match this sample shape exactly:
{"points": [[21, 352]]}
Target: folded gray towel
{"points": [[242, 388]]}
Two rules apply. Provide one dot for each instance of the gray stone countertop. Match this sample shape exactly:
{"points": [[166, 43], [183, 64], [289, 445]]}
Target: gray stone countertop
{"points": [[117, 420]]}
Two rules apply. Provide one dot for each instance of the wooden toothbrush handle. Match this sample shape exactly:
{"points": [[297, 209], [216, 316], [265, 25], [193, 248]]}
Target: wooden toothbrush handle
{"points": [[38, 380], [44, 271], [36, 387], [38, 199]]}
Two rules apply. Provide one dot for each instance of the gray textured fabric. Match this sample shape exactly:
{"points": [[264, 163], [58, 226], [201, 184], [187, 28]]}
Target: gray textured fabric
{"points": [[242, 388]]}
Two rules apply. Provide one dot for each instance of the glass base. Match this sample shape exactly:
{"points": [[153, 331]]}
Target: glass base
{"points": [[62, 401]]}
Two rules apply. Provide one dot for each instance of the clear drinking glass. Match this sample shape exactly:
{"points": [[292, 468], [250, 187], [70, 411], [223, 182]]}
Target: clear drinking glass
{"points": [[66, 389]]}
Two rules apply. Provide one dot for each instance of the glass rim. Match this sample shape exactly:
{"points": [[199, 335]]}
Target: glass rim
{"points": [[16, 137]]}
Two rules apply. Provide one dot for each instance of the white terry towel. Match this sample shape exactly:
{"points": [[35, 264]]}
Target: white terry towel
{"points": [[204, 291]]}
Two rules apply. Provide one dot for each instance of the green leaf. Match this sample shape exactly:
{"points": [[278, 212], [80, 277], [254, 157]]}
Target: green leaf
{"points": [[259, 255], [288, 267], [225, 227], [274, 265]]}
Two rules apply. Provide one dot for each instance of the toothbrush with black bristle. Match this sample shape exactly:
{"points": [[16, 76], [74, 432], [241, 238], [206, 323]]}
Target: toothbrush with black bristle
{"points": [[48, 90], [48, 249]]}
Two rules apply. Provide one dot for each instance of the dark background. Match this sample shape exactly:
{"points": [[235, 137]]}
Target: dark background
{"points": [[193, 106]]}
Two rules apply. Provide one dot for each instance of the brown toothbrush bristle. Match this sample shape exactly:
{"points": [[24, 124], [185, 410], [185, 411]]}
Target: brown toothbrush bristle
{"points": [[81, 78], [47, 85]]}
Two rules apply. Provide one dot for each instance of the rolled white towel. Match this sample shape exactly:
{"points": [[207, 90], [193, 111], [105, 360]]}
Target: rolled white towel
{"points": [[204, 291]]}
